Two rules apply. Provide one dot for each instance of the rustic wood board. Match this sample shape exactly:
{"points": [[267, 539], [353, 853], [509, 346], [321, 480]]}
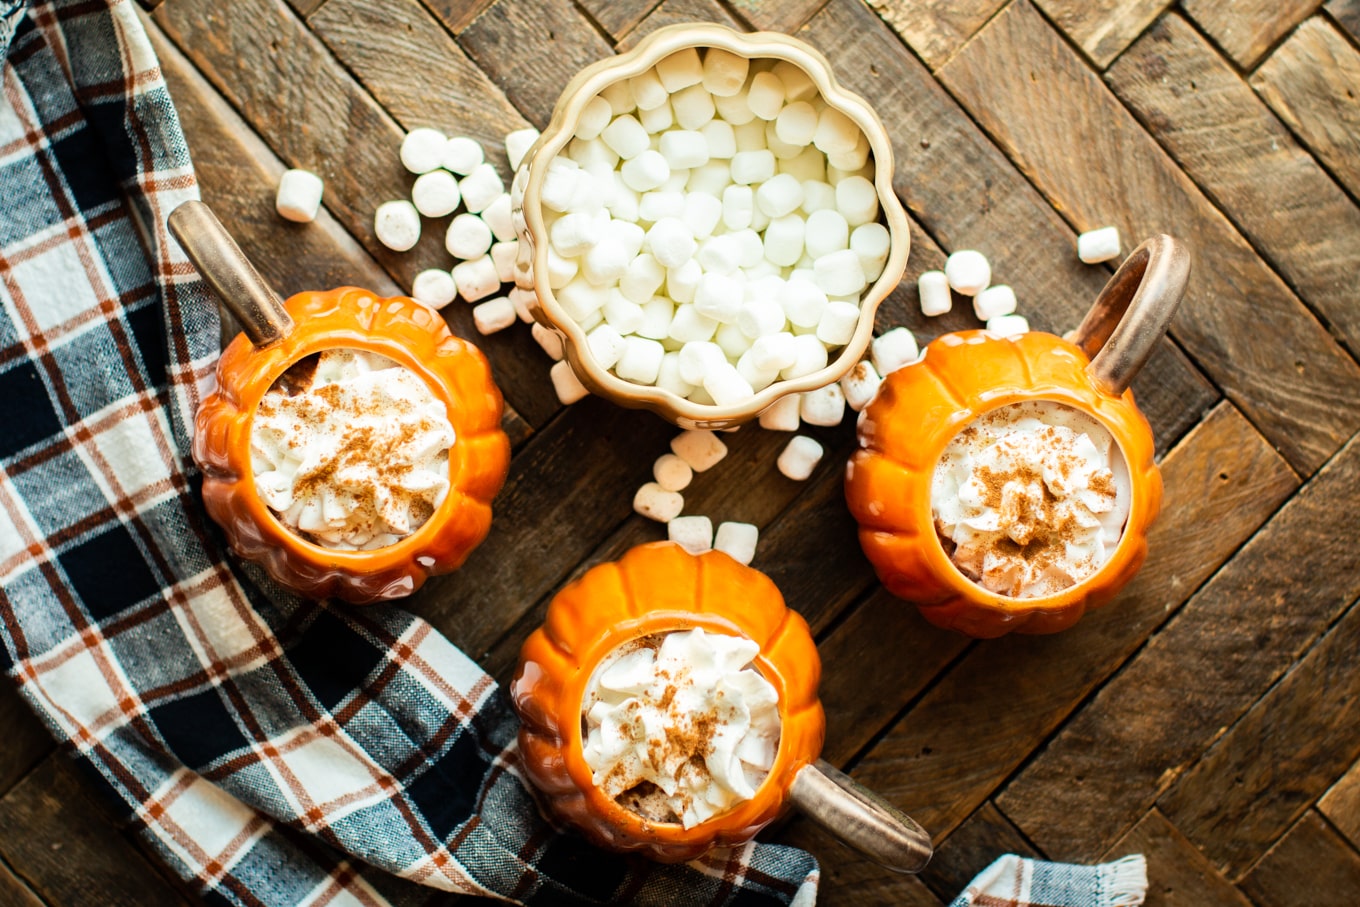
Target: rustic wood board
{"points": [[1102, 28], [1312, 865], [1178, 874], [936, 28], [1246, 29], [1341, 805]]}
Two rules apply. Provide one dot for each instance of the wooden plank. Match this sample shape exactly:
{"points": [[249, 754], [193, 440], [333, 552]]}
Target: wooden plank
{"points": [[936, 28], [1102, 28], [1065, 128], [68, 851], [987, 714], [14, 892], [777, 15], [617, 17], [1341, 805], [853, 880], [26, 740], [1230, 143], [1178, 874], [305, 8], [1347, 15], [1311, 865], [679, 12], [1248, 29], [294, 93], [971, 848], [1232, 804], [457, 15], [1205, 668], [1312, 82], [531, 50]]}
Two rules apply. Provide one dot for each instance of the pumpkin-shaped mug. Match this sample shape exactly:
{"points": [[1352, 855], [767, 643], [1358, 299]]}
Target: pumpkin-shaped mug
{"points": [[653, 592], [966, 381], [436, 374]]}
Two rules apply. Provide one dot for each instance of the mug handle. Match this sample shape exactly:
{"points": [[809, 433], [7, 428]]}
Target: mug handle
{"points": [[1133, 312], [860, 817], [231, 275]]}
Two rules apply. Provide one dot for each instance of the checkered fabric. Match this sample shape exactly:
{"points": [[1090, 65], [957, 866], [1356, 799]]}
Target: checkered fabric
{"points": [[1014, 881], [272, 751]]}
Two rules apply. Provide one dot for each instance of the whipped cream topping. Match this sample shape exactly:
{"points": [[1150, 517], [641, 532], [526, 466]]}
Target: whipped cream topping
{"points": [[679, 726], [1031, 498], [351, 450]]}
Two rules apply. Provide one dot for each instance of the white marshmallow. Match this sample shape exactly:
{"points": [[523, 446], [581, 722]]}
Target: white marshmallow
{"points": [[807, 164], [690, 325], [580, 299], [642, 278], [738, 204], [798, 85], [803, 302], [672, 473], [860, 385], [836, 133], [871, 242], [605, 345], [780, 195], [622, 314], [734, 108], [476, 279], [681, 69], [626, 136], [571, 234], [658, 204], [668, 377], [561, 270], [818, 195], [493, 315], [548, 339], [784, 239], [893, 349], [809, 356], [994, 301], [799, 457], [645, 171], [595, 116], [853, 159], [727, 386], [782, 414], [700, 448], [497, 217], [737, 540], [750, 136], [759, 378], [720, 254], [559, 184], [838, 323], [761, 317], [1008, 325], [839, 273], [640, 361], [518, 143], [796, 123], [693, 107], [657, 119], [827, 232], [435, 288], [657, 314], [1096, 246], [671, 242], [684, 148], [773, 352], [968, 272], [397, 225], [620, 98], [857, 200], [607, 261], [693, 533], [719, 138], [697, 359], [933, 288], [648, 91], [765, 95], [724, 72], [569, 388], [595, 157], [782, 150], [423, 150], [462, 155], [752, 166], [719, 297], [469, 237], [681, 282], [702, 213], [481, 187], [823, 406], [503, 255], [656, 503], [712, 178], [299, 196], [524, 302]]}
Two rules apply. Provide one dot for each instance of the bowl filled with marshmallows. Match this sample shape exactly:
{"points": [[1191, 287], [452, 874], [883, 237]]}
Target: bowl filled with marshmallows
{"points": [[708, 223]]}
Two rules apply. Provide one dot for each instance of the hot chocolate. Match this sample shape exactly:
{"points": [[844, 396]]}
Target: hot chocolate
{"points": [[680, 727], [350, 450], [1030, 498]]}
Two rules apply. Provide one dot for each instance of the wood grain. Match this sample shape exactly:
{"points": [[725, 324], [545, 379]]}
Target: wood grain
{"points": [[777, 15], [14, 892], [1230, 143], [1341, 805], [995, 705], [457, 14], [1247, 29], [852, 880], [1178, 874], [1102, 28], [1311, 865], [617, 17], [1067, 131], [1274, 763], [936, 28], [26, 740], [971, 848], [1201, 673], [1346, 13], [1313, 81], [678, 12]]}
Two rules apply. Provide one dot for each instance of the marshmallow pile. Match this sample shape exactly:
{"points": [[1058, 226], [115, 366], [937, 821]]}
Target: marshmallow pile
{"points": [[712, 227]]}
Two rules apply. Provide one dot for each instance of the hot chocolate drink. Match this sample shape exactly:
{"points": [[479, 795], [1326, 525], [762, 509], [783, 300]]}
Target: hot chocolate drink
{"points": [[1030, 498], [350, 450], [680, 727]]}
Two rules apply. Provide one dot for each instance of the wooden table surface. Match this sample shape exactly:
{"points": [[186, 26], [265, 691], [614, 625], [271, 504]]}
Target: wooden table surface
{"points": [[1208, 717]]}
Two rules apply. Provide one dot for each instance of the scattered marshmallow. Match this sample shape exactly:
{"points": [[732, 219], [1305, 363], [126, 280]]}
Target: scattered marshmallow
{"points": [[481, 187], [893, 349], [468, 237], [1096, 246], [435, 194], [397, 225], [693, 533], [672, 473], [1008, 325], [782, 415], [423, 150], [933, 288], [968, 272], [462, 155], [476, 279], [524, 302], [993, 302], [799, 457], [823, 406], [503, 255], [656, 503], [493, 315], [570, 389], [737, 540], [299, 196], [860, 385], [550, 340], [700, 448], [435, 288], [518, 143]]}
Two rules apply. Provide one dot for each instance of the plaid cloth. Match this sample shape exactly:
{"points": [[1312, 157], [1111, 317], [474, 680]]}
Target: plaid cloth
{"points": [[270, 750], [1014, 881]]}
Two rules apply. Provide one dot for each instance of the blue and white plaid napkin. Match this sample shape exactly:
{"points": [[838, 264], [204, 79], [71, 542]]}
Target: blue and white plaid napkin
{"points": [[1014, 881]]}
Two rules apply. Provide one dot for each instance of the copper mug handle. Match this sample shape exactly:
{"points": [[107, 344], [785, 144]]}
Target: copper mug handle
{"points": [[1133, 311], [860, 817]]}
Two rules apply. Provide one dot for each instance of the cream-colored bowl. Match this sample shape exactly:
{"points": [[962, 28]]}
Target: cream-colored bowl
{"points": [[532, 265]]}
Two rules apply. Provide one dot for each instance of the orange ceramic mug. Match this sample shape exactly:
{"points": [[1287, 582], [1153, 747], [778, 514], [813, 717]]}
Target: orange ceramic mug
{"points": [[921, 408], [657, 589], [278, 335]]}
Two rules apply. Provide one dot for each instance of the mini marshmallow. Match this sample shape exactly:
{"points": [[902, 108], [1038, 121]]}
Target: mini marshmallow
{"points": [[712, 178], [680, 70], [559, 184], [784, 239], [642, 278], [580, 299], [893, 349], [697, 359], [782, 150], [570, 389], [640, 360], [796, 123], [818, 195], [560, 270], [476, 279], [752, 166], [657, 314], [549, 340], [622, 314], [657, 119], [693, 533], [648, 91], [656, 503], [798, 85], [799, 458], [607, 261], [838, 323], [435, 288], [780, 195], [823, 406], [645, 171], [684, 148], [681, 282], [672, 473], [693, 107], [595, 157], [462, 155], [518, 143], [836, 133], [571, 234], [853, 159], [606, 345], [765, 95], [758, 378], [750, 136], [968, 272], [299, 196], [503, 255], [1095, 246], [719, 139], [469, 237], [719, 297], [738, 203], [737, 540], [497, 217], [720, 254], [761, 317], [670, 242], [809, 356], [481, 187], [690, 325], [595, 116], [803, 302], [658, 204], [727, 386], [668, 376], [782, 415], [857, 200], [702, 213], [524, 301], [724, 72], [700, 448], [993, 302], [860, 385], [827, 232], [397, 225], [626, 136], [423, 150], [807, 164], [933, 288], [871, 242], [1008, 325], [734, 108], [839, 273], [619, 95], [493, 315], [773, 352]]}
